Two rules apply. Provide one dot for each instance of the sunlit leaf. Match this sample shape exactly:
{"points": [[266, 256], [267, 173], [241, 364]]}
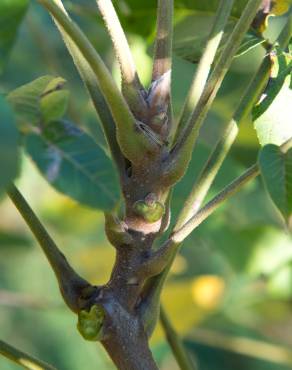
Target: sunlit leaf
{"points": [[272, 115], [11, 15], [276, 170], [74, 164], [8, 144], [281, 6]]}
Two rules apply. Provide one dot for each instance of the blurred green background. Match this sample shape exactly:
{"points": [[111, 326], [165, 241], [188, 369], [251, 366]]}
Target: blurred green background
{"points": [[230, 290]]}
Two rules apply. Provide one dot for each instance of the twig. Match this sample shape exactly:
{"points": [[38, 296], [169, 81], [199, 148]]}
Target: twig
{"points": [[206, 60], [229, 190], [159, 259], [101, 107], [179, 351], [70, 283], [166, 253], [232, 188], [120, 43], [22, 358], [131, 142], [182, 150], [214, 163], [163, 258], [131, 85], [163, 43], [207, 175], [286, 146]]}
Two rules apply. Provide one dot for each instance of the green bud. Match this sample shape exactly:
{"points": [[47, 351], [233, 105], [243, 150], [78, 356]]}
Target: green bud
{"points": [[90, 323], [116, 231], [151, 212], [159, 92]]}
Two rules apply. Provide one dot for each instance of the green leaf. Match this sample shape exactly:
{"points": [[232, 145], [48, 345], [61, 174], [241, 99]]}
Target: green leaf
{"points": [[9, 239], [8, 145], [74, 164], [41, 100], [25, 101], [276, 170], [272, 116], [11, 15], [54, 100], [54, 105]]}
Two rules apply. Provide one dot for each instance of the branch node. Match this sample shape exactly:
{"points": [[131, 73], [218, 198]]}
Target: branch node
{"points": [[90, 323]]}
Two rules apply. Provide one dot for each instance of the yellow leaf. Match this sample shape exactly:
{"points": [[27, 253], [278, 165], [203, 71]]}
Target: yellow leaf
{"points": [[207, 291], [280, 7], [270, 8], [183, 313]]}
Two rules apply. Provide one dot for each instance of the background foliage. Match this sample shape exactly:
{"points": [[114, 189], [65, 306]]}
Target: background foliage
{"points": [[233, 276]]}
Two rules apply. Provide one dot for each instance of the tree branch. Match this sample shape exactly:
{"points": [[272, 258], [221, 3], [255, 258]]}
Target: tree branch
{"points": [[206, 60], [214, 163], [96, 96], [163, 44], [133, 142], [22, 358], [181, 153], [229, 190], [70, 283], [163, 258], [131, 85], [120, 43], [179, 351], [207, 175], [286, 146], [160, 258]]}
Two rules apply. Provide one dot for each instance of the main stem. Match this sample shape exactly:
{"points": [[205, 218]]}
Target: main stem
{"points": [[130, 352]]}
